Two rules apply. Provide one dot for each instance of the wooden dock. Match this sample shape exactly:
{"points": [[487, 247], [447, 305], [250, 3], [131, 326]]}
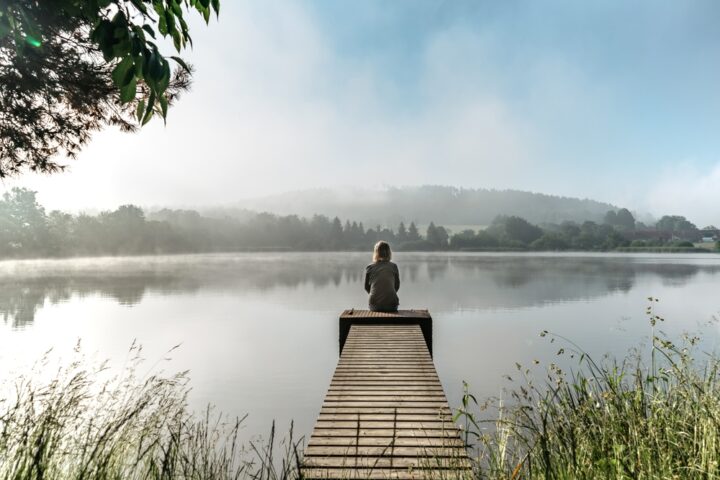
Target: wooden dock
{"points": [[385, 414]]}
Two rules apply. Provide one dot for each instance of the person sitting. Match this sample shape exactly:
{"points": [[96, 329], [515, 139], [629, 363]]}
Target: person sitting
{"points": [[382, 280]]}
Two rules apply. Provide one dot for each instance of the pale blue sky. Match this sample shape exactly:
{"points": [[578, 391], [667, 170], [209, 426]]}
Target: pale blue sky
{"points": [[614, 100]]}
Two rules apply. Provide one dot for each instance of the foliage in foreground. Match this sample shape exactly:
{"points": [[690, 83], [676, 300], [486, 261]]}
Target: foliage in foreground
{"points": [[614, 419], [71, 67], [126, 427]]}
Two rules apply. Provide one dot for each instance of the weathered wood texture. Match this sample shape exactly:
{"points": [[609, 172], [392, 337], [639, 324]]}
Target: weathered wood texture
{"points": [[385, 414], [401, 317]]}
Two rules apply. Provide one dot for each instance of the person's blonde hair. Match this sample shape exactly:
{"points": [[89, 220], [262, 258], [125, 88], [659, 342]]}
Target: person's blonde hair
{"points": [[382, 252]]}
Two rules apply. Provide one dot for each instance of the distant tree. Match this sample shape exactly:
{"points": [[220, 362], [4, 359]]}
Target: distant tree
{"points": [[675, 223], [347, 233], [336, 234], [70, 67], [23, 223], [486, 240], [61, 228], [519, 229], [358, 234], [622, 219], [125, 229], [569, 229], [402, 234], [436, 236], [610, 218], [625, 219], [413, 235], [362, 234], [431, 232], [550, 241]]}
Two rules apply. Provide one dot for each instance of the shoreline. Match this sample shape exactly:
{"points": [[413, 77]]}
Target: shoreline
{"points": [[620, 250]]}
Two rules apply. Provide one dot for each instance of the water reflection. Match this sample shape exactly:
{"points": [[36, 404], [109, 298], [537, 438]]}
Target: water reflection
{"points": [[480, 282]]}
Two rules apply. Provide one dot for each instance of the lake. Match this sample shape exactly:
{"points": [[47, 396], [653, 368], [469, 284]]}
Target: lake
{"points": [[259, 331]]}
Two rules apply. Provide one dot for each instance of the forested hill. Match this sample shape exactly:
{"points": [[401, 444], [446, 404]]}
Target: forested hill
{"points": [[446, 205]]}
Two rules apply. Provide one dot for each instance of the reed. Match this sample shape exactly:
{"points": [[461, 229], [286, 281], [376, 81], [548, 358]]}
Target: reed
{"points": [[621, 419], [650, 417], [86, 424]]}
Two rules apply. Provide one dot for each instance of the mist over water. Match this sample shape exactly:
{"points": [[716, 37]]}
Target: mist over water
{"points": [[259, 331]]}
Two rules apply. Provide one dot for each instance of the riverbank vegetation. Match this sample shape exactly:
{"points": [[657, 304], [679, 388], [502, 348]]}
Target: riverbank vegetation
{"points": [[651, 415], [647, 416], [27, 230], [86, 423]]}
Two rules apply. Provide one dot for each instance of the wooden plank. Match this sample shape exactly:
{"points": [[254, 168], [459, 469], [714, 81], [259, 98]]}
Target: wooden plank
{"points": [[380, 441], [384, 424], [386, 461], [382, 451], [386, 410], [385, 414], [383, 474], [383, 432]]}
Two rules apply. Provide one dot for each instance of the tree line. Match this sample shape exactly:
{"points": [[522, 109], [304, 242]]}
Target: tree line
{"points": [[27, 230]]}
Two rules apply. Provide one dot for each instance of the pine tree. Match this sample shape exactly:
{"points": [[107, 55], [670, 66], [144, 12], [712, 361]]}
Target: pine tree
{"points": [[413, 234], [402, 234]]}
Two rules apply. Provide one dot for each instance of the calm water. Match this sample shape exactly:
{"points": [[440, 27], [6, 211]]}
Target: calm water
{"points": [[259, 331]]}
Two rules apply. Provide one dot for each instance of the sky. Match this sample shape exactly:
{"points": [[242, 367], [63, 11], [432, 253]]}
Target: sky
{"points": [[617, 101]]}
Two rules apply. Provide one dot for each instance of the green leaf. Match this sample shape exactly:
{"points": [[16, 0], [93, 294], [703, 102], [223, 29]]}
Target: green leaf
{"points": [[170, 21], [128, 92], [182, 63], [149, 109], [148, 117], [123, 72], [102, 32], [163, 106], [162, 26], [155, 70], [140, 110], [216, 6], [149, 30], [176, 8], [165, 78], [177, 40], [140, 6]]}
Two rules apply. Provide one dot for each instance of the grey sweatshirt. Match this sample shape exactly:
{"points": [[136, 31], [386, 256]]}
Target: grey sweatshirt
{"points": [[382, 281]]}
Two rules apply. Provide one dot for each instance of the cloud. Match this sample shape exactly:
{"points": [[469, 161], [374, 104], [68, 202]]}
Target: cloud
{"points": [[288, 96], [276, 107], [687, 190]]}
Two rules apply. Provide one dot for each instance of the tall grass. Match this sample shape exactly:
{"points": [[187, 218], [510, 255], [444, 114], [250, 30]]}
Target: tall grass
{"points": [[621, 419], [646, 416], [130, 426]]}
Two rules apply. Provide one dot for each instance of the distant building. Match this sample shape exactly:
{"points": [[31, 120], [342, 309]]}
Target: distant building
{"points": [[710, 234], [649, 234], [664, 235]]}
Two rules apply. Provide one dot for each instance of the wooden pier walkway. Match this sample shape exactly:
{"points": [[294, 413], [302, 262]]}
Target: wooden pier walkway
{"points": [[385, 414]]}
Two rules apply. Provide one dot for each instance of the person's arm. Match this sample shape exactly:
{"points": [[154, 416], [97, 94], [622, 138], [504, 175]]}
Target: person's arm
{"points": [[397, 279], [367, 279]]}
